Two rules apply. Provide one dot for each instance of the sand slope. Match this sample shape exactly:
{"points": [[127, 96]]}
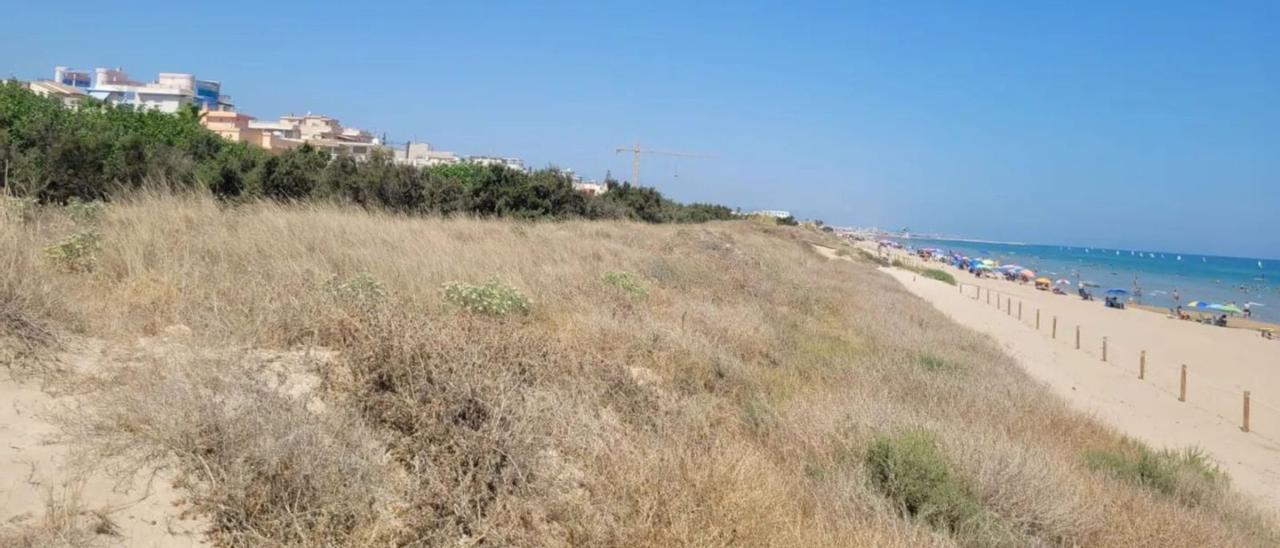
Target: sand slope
{"points": [[142, 510]]}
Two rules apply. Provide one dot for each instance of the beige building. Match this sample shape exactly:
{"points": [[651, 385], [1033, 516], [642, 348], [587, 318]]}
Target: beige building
{"points": [[319, 131], [325, 133], [69, 95], [237, 127]]}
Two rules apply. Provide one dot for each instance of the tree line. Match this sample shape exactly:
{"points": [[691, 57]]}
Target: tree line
{"points": [[54, 154]]}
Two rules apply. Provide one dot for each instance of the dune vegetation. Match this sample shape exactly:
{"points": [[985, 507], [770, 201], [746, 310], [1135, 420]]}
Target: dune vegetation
{"points": [[586, 383]]}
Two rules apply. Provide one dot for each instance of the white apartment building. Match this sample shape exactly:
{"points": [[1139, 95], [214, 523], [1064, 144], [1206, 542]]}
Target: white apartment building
{"points": [[590, 188], [423, 155], [775, 213], [169, 93], [512, 163]]}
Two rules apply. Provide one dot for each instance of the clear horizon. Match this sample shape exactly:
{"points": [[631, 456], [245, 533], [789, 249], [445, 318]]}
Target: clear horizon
{"points": [[1147, 126]]}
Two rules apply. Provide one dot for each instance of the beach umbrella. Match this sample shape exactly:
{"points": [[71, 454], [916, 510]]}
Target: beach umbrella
{"points": [[1117, 292], [1028, 274], [1043, 280], [1228, 308], [1089, 284], [1063, 281], [1201, 305]]}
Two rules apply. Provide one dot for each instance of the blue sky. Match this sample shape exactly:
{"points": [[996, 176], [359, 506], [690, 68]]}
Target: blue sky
{"points": [[1153, 125]]}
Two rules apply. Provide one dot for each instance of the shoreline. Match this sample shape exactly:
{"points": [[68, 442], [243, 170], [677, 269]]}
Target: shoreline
{"points": [[1227, 280], [1248, 324]]}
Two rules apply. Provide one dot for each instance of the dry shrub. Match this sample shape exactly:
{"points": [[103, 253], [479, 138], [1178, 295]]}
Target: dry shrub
{"points": [[66, 523], [450, 400], [258, 463], [1026, 486], [27, 302], [23, 338]]}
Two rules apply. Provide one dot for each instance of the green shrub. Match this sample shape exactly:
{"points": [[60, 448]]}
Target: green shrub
{"points": [[84, 212], [627, 282], [1189, 476], [493, 298], [759, 414], [939, 275], [361, 289], [933, 363], [873, 257], [911, 470], [77, 253]]}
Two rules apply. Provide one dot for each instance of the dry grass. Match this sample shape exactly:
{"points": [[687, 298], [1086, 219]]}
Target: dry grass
{"points": [[66, 523], [734, 404]]}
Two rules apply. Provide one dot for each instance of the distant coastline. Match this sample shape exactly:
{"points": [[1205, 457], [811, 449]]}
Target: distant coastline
{"points": [[965, 240]]}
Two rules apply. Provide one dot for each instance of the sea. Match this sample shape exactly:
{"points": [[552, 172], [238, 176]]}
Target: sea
{"points": [[1196, 277]]}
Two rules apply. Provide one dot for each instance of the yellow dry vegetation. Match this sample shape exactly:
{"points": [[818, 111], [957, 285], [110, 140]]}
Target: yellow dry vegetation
{"points": [[735, 404]]}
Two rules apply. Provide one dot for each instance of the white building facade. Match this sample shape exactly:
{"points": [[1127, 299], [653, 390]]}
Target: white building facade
{"points": [[423, 155], [511, 163], [170, 92]]}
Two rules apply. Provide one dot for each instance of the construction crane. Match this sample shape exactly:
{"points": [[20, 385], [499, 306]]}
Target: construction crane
{"points": [[636, 151]]}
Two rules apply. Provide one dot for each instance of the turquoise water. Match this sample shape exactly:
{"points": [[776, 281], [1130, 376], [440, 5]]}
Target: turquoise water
{"points": [[1196, 277]]}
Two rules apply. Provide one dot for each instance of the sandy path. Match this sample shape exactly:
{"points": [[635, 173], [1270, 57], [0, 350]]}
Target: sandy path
{"points": [[1114, 394], [143, 509], [1110, 391], [1221, 363]]}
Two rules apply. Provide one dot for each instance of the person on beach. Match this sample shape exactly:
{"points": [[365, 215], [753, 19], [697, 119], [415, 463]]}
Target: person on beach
{"points": [[1248, 313], [1177, 299]]}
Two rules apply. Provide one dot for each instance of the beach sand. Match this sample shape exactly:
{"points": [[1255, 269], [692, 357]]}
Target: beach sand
{"points": [[140, 509], [1222, 364]]}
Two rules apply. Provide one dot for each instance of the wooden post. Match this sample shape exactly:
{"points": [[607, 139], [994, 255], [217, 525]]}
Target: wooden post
{"points": [[1019, 310], [988, 295], [1245, 427], [1077, 337], [1182, 385], [1142, 365], [1008, 306], [1037, 319], [1055, 327]]}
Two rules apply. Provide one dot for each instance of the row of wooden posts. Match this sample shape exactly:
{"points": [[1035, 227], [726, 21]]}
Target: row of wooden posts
{"points": [[1142, 356]]}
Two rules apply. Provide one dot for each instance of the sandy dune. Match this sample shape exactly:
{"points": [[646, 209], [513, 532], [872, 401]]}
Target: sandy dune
{"points": [[1222, 363], [142, 510]]}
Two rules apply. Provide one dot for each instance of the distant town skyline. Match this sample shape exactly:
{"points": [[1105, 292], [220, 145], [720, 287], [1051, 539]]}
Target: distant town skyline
{"points": [[1142, 126]]}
